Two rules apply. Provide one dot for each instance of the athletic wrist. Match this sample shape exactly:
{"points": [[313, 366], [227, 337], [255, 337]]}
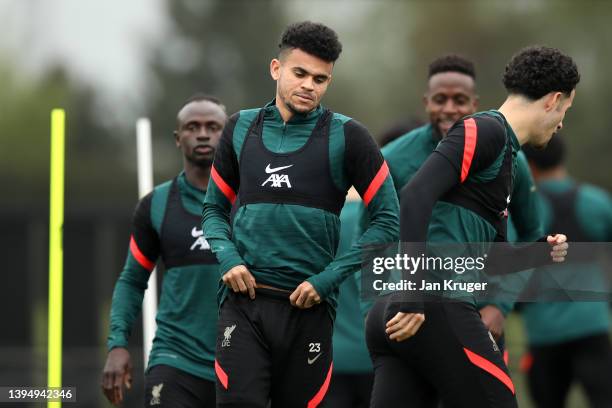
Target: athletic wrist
{"points": [[225, 265], [116, 342], [321, 284]]}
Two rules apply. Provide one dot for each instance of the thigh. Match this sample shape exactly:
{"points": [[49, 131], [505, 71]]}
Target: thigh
{"points": [[471, 371], [167, 386], [302, 371], [592, 363], [349, 391], [341, 392], [242, 362], [550, 375], [397, 382]]}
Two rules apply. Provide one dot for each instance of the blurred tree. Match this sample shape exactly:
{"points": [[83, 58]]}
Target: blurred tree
{"points": [[224, 47], [218, 47], [25, 132]]}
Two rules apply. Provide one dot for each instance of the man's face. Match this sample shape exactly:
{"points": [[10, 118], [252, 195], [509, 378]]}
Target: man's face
{"points": [[450, 96], [200, 124], [301, 79], [555, 106]]}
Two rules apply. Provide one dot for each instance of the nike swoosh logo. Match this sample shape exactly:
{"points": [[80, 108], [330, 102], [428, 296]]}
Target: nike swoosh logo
{"points": [[195, 232], [274, 170], [312, 360]]}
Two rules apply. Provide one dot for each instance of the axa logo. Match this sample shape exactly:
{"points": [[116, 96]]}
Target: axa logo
{"points": [[277, 180], [200, 241]]}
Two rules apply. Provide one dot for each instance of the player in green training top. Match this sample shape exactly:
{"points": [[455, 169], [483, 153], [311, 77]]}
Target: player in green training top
{"points": [[287, 168], [460, 194], [450, 96], [353, 376], [569, 340], [166, 225]]}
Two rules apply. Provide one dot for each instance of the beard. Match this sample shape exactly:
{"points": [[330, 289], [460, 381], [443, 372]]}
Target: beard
{"points": [[294, 110], [200, 160]]}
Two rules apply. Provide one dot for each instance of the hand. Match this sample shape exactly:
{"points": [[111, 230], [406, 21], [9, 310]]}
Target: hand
{"points": [[117, 373], [559, 247], [239, 279], [305, 296], [404, 325], [493, 320]]}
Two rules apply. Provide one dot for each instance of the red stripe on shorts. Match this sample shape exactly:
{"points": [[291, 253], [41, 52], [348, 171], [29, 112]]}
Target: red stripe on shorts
{"points": [[489, 367], [221, 375], [316, 400]]}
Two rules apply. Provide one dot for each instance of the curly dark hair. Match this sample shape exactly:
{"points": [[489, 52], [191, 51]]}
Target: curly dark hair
{"points": [[452, 63], [313, 38], [535, 71], [548, 157]]}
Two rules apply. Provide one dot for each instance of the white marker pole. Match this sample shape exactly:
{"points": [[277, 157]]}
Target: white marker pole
{"points": [[145, 185]]}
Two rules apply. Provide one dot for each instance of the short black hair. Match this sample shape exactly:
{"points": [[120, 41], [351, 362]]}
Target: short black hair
{"points": [[313, 38], [537, 70], [452, 63], [549, 157], [201, 96]]}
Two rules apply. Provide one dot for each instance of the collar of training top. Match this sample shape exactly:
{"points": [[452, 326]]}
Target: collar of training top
{"points": [[513, 139], [272, 112]]}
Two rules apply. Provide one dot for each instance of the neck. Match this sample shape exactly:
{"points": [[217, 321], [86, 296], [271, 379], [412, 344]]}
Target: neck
{"points": [[197, 176], [519, 114], [284, 110]]}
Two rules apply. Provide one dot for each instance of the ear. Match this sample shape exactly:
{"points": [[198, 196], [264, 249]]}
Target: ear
{"points": [[476, 101], [425, 99], [275, 66], [552, 100], [176, 138]]}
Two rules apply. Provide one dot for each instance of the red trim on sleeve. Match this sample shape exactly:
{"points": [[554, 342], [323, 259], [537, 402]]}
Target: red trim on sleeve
{"points": [[377, 181], [506, 357], [139, 256], [221, 375], [223, 186], [489, 367], [316, 400], [526, 363], [471, 136]]}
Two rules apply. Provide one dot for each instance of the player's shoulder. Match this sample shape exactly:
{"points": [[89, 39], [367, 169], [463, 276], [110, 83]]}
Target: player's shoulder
{"points": [[244, 116], [162, 188], [408, 141], [488, 123], [595, 196], [487, 129], [340, 119], [158, 195], [353, 130]]}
